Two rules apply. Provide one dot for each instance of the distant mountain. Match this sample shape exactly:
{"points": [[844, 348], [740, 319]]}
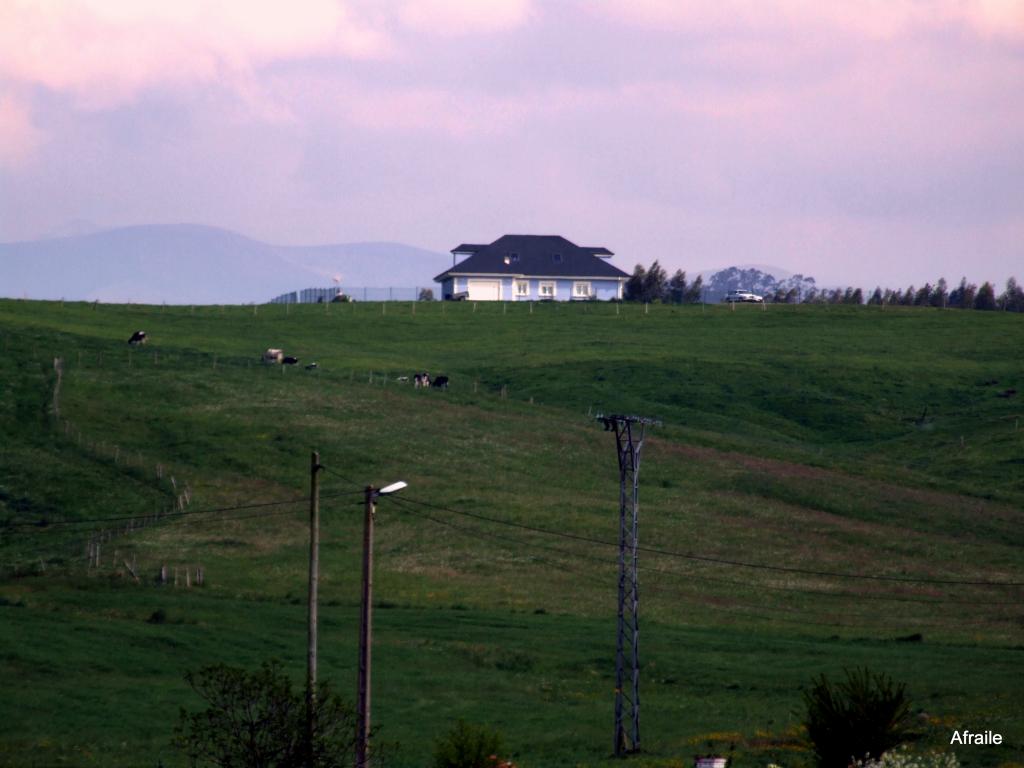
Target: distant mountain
{"points": [[194, 264]]}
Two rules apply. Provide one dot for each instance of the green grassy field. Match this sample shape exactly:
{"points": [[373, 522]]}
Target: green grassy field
{"points": [[859, 441]]}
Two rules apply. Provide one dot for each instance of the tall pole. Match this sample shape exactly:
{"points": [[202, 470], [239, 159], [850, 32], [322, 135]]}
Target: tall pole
{"points": [[629, 440], [314, 579], [365, 634]]}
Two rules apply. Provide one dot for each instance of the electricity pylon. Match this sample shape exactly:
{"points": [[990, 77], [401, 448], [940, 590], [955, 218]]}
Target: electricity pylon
{"points": [[629, 440]]}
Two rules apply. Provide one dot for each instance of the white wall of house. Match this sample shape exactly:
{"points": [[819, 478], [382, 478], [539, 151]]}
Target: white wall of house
{"points": [[503, 288]]}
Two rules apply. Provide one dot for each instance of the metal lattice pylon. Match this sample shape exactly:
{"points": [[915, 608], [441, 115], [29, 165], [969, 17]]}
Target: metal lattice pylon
{"points": [[629, 440]]}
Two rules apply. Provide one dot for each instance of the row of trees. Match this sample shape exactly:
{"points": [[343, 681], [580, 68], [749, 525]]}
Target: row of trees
{"points": [[654, 284], [964, 296]]}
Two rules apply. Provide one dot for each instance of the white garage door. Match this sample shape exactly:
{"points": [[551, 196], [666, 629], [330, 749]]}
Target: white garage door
{"points": [[484, 290]]}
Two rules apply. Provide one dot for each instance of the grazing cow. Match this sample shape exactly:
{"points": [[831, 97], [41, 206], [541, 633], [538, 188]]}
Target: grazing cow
{"points": [[289, 360], [139, 337], [421, 380], [401, 378], [311, 367], [1007, 393], [441, 382], [273, 356]]}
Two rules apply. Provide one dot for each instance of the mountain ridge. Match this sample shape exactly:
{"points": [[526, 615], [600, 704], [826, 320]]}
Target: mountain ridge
{"points": [[200, 264]]}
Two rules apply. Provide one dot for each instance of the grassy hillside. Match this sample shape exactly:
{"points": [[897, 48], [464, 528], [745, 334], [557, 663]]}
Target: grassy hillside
{"points": [[806, 441]]}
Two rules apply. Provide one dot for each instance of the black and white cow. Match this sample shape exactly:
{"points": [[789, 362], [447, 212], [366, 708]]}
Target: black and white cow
{"points": [[139, 337], [441, 382], [421, 380], [289, 360]]}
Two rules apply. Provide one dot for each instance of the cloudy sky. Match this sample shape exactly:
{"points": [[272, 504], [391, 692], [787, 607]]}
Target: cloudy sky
{"points": [[863, 141]]}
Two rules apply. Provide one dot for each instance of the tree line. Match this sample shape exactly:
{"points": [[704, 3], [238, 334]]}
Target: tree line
{"points": [[654, 285], [965, 296]]}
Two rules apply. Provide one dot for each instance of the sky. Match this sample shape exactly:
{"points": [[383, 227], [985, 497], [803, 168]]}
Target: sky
{"points": [[862, 142]]}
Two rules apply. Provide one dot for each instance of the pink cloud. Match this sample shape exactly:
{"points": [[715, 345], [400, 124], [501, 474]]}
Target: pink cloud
{"points": [[458, 17], [106, 51], [18, 136], [877, 19]]}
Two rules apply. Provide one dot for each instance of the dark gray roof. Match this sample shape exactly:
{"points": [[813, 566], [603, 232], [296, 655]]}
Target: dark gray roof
{"points": [[535, 256]]}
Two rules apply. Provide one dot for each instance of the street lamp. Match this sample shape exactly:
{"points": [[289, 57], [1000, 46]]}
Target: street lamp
{"points": [[366, 623]]}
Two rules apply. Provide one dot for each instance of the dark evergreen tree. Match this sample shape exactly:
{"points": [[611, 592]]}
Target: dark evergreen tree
{"points": [[655, 283], [857, 297], [962, 296], [677, 287], [986, 298], [940, 296], [876, 297], [634, 290], [923, 296], [908, 297], [694, 294]]}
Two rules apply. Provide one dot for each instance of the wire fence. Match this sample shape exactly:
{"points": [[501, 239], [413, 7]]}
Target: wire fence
{"points": [[355, 293]]}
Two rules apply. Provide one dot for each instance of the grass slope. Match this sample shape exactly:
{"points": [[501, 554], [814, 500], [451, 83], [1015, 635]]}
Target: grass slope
{"points": [[849, 440]]}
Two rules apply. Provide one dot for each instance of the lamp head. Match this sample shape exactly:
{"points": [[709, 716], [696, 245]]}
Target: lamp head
{"points": [[393, 488]]}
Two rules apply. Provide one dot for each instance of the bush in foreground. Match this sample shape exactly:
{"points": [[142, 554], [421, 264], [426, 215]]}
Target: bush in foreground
{"points": [[470, 746], [859, 718], [257, 720]]}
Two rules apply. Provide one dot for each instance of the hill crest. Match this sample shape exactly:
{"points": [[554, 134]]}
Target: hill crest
{"points": [[199, 264]]}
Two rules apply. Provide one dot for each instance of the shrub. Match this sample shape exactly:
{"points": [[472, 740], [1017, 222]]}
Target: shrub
{"points": [[257, 719], [470, 746], [861, 717]]}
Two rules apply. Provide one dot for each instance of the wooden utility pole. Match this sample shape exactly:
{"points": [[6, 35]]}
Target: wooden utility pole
{"points": [[314, 579], [365, 633]]}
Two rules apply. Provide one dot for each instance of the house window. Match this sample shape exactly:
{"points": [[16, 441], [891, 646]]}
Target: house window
{"points": [[522, 287], [511, 258], [556, 258], [581, 290], [546, 290]]}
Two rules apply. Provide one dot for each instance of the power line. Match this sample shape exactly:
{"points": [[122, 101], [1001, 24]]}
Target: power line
{"points": [[693, 599], [715, 579], [167, 515], [330, 471], [561, 566], [719, 560]]}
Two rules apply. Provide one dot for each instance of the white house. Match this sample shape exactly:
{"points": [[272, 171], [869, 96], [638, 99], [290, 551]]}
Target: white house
{"points": [[531, 268]]}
